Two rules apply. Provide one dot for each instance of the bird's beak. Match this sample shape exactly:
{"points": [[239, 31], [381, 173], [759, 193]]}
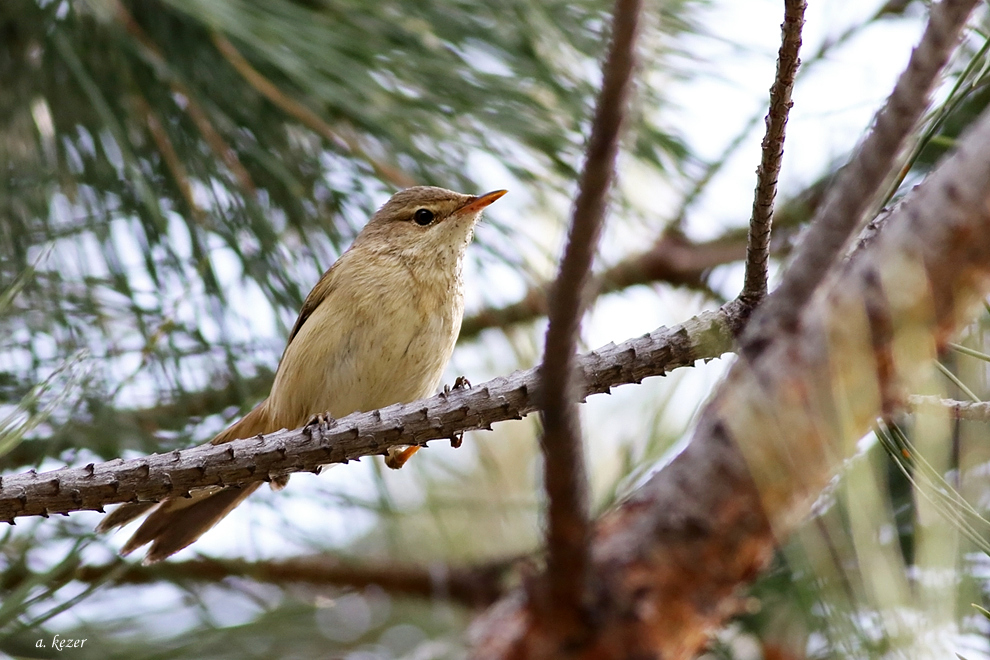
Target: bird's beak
{"points": [[476, 204]]}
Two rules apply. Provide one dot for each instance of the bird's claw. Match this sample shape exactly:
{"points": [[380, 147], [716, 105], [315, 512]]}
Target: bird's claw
{"points": [[321, 422], [396, 457], [460, 383]]}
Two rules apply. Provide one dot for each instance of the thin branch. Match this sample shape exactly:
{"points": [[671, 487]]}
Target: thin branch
{"points": [[758, 248], [976, 411], [471, 586], [858, 185], [303, 114], [565, 480], [711, 169], [152, 478], [672, 558]]}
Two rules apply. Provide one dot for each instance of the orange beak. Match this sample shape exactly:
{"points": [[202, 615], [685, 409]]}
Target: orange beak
{"points": [[475, 204]]}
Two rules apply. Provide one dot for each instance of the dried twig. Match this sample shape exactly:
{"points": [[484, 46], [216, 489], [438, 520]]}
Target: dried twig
{"points": [[92, 487], [860, 182], [758, 248], [565, 480], [824, 51]]}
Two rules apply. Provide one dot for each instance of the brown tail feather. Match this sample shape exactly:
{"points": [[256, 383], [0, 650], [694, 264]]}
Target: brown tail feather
{"points": [[177, 522], [124, 514]]}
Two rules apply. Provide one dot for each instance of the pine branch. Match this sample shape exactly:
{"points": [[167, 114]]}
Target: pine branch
{"points": [[934, 405], [154, 477], [772, 153], [471, 586], [671, 558], [860, 182], [564, 475]]}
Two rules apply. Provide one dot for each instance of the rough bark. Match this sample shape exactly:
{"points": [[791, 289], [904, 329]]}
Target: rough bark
{"points": [[772, 154]]}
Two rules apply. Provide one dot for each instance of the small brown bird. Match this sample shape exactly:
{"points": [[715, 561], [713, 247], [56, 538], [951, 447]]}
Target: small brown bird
{"points": [[377, 329]]}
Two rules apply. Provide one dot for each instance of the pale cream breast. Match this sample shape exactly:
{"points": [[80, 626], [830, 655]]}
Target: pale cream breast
{"points": [[375, 341]]}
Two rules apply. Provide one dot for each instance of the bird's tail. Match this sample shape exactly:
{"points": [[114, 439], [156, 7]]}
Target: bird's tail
{"points": [[177, 522]]}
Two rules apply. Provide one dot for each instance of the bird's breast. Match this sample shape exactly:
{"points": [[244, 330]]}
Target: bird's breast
{"points": [[386, 340]]}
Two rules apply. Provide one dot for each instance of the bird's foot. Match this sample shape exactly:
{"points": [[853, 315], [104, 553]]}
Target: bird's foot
{"points": [[460, 383], [397, 456], [320, 423]]}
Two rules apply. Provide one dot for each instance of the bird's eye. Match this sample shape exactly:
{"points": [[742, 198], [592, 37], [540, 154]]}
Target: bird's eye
{"points": [[423, 217]]}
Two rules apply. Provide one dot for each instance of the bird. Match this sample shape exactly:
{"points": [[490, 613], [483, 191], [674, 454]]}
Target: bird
{"points": [[378, 328]]}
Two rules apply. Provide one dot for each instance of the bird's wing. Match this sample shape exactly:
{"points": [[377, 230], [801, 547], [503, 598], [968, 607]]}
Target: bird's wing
{"points": [[319, 293]]}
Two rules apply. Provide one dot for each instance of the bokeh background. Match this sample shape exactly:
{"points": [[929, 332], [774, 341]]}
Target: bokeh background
{"points": [[176, 175]]}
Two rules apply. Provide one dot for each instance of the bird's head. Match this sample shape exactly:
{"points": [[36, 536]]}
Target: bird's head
{"points": [[426, 220]]}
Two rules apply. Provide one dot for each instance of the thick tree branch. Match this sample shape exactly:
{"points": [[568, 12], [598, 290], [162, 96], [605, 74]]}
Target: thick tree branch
{"points": [[859, 183], [154, 477], [671, 558], [758, 247], [564, 477]]}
